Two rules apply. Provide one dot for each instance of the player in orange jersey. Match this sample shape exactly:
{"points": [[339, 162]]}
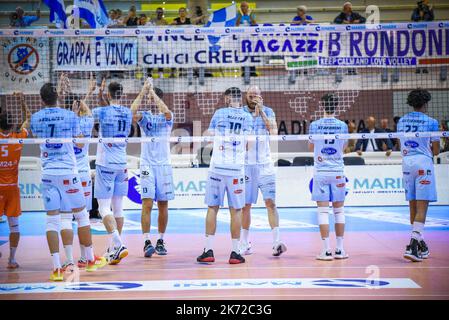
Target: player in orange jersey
{"points": [[9, 175]]}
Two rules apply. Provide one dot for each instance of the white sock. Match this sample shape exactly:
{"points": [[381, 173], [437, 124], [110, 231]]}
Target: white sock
{"points": [[276, 235], [83, 252], [161, 236], [326, 244], [116, 239], [417, 231], [146, 236], [56, 261], [68, 249], [244, 235], [209, 242], [235, 245], [12, 254], [340, 243], [89, 253]]}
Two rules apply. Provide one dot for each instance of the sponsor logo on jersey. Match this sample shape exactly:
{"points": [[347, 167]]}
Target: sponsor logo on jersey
{"points": [[72, 191], [411, 144], [420, 172], [235, 181], [425, 182], [66, 182], [329, 151], [238, 191]]}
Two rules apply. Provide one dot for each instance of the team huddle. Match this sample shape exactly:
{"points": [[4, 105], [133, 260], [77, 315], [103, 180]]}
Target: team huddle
{"points": [[239, 167]]}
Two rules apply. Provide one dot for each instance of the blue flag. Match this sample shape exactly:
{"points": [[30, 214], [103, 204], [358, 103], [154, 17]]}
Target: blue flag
{"points": [[93, 12], [57, 12], [225, 17]]}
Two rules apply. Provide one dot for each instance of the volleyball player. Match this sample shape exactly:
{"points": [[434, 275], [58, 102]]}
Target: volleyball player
{"points": [[328, 179], [9, 176], [259, 171], [418, 169], [156, 175], [61, 186], [111, 177], [229, 126]]}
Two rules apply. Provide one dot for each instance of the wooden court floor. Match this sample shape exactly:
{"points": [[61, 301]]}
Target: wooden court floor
{"points": [[373, 256]]}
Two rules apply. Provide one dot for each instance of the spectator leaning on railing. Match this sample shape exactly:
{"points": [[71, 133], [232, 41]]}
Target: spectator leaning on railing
{"points": [[301, 16], [18, 19], [159, 19], [423, 12], [131, 20], [371, 145], [347, 16], [182, 19], [245, 17]]}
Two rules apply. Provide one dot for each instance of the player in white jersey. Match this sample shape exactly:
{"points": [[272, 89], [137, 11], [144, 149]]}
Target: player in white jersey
{"points": [[61, 185], [229, 126], [259, 171], [156, 177], [418, 169], [111, 177], [329, 181]]}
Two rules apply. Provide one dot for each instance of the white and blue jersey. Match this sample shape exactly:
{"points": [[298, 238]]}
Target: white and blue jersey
{"points": [[328, 153], [115, 122], [230, 127], [417, 162], [86, 124], [55, 122]]}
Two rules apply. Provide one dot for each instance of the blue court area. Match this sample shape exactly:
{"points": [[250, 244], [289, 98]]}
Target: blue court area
{"points": [[291, 219]]}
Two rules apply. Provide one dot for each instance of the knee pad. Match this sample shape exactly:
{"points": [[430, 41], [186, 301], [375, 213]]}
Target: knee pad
{"points": [[53, 223], [66, 221], [82, 218], [13, 223], [323, 215], [339, 215], [117, 207], [104, 207]]}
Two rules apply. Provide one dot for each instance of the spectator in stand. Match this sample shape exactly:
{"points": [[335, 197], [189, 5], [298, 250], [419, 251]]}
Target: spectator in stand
{"points": [[245, 17], [114, 20], [143, 20], [373, 145], [131, 20], [444, 142], [423, 12], [18, 19], [159, 19], [352, 128], [301, 16], [182, 19], [347, 16], [120, 19], [199, 18], [385, 126]]}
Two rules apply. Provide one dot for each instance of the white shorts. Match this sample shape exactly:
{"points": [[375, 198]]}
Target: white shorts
{"points": [[110, 182], [217, 185], [86, 183], [419, 178], [156, 182], [255, 181], [329, 188], [63, 193]]}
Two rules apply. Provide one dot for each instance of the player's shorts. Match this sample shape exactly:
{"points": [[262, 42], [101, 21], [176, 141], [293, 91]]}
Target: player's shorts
{"points": [[63, 193], [86, 183], [419, 178], [217, 185], [10, 202], [329, 188], [156, 182], [255, 180], [110, 182]]}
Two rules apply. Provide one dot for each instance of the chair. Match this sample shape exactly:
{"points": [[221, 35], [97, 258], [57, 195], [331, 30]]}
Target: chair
{"points": [[302, 161], [354, 161], [282, 163]]}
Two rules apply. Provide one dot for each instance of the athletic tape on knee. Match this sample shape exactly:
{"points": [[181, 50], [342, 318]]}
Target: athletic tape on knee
{"points": [[339, 215], [323, 215], [104, 207], [66, 221], [13, 224], [117, 207], [82, 218], [53, 223]]}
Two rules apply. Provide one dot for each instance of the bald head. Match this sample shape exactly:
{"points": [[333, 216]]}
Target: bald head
{"points": [[244, 7], [371, 122], [252, 95]]}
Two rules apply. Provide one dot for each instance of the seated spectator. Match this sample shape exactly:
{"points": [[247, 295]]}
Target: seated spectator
{"points": [[131, 19], [143, 20], [347, 16], [18, 19], [199, 18], [423, 12], [352, 128], [385, 126], [444, 142], [373, 145], [301, 16], [245, 17], [182, 19], [159, 20]]}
